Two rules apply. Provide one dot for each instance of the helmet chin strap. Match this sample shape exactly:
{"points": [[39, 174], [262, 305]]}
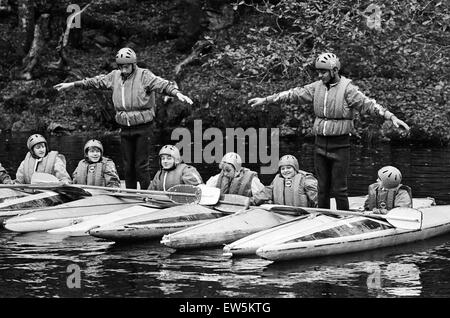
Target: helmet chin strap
{"points": [[126, 76]]}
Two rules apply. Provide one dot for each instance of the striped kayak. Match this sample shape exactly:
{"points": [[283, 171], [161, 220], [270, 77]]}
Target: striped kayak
{"points": [[83, 228], [354, 234], [234, 227], [69, 213], [28, 203], [156, 224], [249, 244], [8, 194]]}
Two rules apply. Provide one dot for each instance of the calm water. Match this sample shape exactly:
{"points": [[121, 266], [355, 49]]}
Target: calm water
{"points": [[36, 264]]}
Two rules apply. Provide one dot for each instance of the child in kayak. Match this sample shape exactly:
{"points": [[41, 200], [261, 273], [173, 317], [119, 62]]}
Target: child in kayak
{"points": [[291, 186], [40, 159], [388, 193], [234, 179], [4, 176], [95, 169], [172, 171]]}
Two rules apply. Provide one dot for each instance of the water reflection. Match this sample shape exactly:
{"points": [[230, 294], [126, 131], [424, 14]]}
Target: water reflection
{"points": [[35, 264]]}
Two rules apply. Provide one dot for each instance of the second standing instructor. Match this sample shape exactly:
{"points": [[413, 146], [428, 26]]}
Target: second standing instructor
{"points": [[134, 101]]}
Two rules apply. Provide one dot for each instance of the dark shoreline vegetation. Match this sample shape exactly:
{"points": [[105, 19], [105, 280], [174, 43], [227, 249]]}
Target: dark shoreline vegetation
{"points": [[221, 53]]}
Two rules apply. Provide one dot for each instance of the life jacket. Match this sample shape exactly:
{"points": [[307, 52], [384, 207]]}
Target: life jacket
{"points": [[91, 173], [167, 179], [293, 195], [133, 103], [384, 199], [46, 164], [333, 115], [242, 184]]}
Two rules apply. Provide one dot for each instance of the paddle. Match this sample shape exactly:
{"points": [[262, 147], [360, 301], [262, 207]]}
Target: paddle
{"points": [[401, 217]]}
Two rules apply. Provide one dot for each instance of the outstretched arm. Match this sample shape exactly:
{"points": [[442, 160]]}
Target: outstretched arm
{"points": [[356, 99], [298, 95], [155, 83], [100, 81]]}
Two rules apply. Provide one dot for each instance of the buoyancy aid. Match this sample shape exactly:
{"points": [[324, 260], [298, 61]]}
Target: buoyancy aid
{"points": [[133, 103], [290, 191], [384, 199], [169, 178], [333, 115], [32, 165], [242, 184], [91, 173]]}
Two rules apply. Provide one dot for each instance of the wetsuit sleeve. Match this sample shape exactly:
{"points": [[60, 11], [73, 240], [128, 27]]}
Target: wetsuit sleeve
{"points": [[60, 170], [20, 174], [357, 100], [75, 174], [311, 190], [297, 95], [4, 176], [264, 196], [191, 176], [100, 82], [402, 199], [111, 176]]}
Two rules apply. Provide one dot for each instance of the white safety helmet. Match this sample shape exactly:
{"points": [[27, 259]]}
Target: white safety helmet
{"points": [[126, 56], [390, 177], [93, 143], [35, 139], [327, 61], [233, 159], [171, 151], [289, 160]]}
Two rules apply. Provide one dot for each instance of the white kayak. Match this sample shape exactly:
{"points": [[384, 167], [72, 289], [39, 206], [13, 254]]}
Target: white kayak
{"points": [[249, 244], [155, 225], [69, 213], [83, 228], [354, 234]]}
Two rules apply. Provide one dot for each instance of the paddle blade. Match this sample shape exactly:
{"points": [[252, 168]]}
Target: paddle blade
{"points": [[209, 195], [41, 177], [185, 189], [405, 218]]}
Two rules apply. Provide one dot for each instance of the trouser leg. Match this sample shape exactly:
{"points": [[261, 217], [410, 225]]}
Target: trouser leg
{"points": [[128, 145], [142, 156], [323, 174], [339, 173]]}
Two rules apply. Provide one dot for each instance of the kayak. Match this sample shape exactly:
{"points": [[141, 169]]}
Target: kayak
{"points": [[26, 204], [156, 224], [224, 230], [354, 234], [249, 244], [234, 227], [68, 213], [8, 194], [83, 228]]}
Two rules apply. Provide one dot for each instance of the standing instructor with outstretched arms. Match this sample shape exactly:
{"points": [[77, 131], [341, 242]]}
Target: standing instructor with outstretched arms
{"points": [[335, 99], [134, 101]]}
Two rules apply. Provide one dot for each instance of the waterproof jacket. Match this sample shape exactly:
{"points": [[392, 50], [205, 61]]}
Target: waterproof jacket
{"points": [[4, 176], [388, 199], [102, 173], [134, 98], [300, 191], [334, 106], [182, 174], [53, 163], [241, 184]]}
